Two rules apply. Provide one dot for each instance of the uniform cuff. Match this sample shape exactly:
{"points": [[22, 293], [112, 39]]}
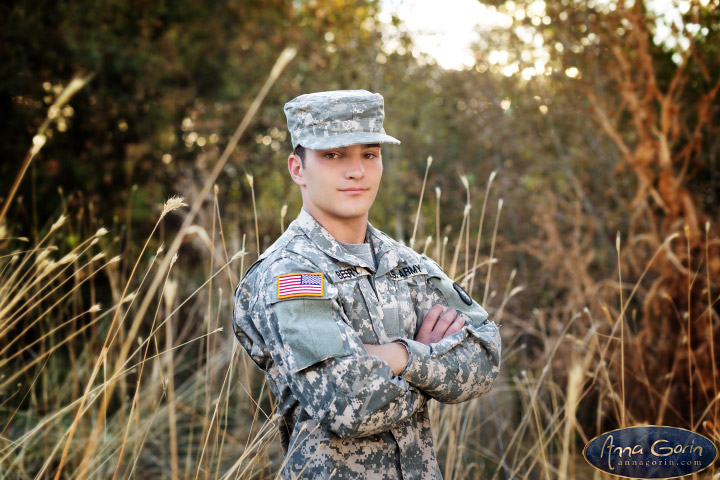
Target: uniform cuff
{"points": [[416, 369]]}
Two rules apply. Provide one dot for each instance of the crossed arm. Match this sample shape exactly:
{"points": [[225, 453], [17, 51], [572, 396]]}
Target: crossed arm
{"points": [[438, 324]]}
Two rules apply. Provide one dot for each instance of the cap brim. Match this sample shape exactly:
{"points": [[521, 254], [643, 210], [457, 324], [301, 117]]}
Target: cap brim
{"points": [[347, 139]]}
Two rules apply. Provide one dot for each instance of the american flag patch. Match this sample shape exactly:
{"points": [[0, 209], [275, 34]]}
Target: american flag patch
{"points": [[300, 285]]}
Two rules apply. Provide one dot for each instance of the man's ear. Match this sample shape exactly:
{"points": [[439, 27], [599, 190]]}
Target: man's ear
{"points": [[296, 170]]}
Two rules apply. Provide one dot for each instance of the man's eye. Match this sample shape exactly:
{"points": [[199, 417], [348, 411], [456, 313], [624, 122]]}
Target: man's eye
{"points": [[370, 155], [331, 155]]}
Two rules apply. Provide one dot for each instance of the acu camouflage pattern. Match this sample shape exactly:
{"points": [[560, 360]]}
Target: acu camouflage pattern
{"points": [[344, 414], [323, 120]]}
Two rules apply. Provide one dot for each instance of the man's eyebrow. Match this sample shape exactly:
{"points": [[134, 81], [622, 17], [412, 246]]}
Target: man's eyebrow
{"points": [[371, 145]]}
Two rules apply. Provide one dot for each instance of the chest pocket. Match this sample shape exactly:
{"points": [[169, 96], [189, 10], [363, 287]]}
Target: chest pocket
{"points": [[347, 280], [409, 281]]}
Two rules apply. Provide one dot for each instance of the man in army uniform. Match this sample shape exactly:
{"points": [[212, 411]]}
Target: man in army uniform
{"points": [[354, 331]]}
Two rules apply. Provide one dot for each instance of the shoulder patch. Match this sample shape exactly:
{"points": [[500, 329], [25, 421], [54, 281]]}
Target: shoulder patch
{"points": [[300, 285], [462, 294]]}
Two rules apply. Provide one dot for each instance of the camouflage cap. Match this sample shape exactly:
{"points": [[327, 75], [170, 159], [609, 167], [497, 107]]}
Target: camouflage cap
{"points": [[323, 120]]}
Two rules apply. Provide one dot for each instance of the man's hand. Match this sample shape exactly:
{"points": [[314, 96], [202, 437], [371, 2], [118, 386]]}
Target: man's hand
{"points": [[395, 354], [435, 327]]}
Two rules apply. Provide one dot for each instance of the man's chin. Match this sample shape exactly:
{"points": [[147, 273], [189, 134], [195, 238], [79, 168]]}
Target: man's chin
{"points": [[351, 213]]}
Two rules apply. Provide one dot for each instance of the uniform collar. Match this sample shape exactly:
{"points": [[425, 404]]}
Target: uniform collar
{"points": [[385, 250], [386, 256]]}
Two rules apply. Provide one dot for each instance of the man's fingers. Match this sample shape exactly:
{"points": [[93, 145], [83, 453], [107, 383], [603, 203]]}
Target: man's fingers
{"points": [[438, 324], [445, 320], [455, 327], [430, 319]]}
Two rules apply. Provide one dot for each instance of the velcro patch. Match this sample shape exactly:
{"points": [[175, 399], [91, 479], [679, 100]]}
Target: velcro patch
{"points": [[300, 285], [408, 271], [344, 274]]}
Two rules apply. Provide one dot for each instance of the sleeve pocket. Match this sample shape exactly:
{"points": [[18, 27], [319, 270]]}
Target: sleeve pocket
{"points": [[309, 331], [454, 299]]}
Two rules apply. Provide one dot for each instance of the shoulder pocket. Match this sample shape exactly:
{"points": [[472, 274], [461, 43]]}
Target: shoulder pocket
{"points": [[308, 327], [455, 296]]}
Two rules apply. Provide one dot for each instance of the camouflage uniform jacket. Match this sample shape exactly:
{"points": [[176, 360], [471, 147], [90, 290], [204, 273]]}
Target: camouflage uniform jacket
{"points": [[344, 414]]}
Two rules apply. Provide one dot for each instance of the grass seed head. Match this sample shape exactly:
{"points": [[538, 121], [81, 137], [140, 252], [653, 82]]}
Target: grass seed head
{"points": [[69, 258], [171, 289], [42, 257], [44, 267], [173, 203], [129, 298], [58, 223], [38, 142], [101, 231]]}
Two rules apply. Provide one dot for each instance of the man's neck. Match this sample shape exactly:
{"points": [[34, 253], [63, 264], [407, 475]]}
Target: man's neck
{"points": [[346, 230]]}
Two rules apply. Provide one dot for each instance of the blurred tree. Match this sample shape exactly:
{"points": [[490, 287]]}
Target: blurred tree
{"points": [[172, 81], [649, 81]]}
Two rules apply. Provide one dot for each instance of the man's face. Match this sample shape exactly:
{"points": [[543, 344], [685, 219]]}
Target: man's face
{"points": [[339, 183]]}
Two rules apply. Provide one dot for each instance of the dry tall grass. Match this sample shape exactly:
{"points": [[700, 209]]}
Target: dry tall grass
{"points": [[152, 385], [101, 392]]}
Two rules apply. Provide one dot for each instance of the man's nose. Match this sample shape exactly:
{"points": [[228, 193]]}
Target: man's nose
{"points": [[355, 167]]}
